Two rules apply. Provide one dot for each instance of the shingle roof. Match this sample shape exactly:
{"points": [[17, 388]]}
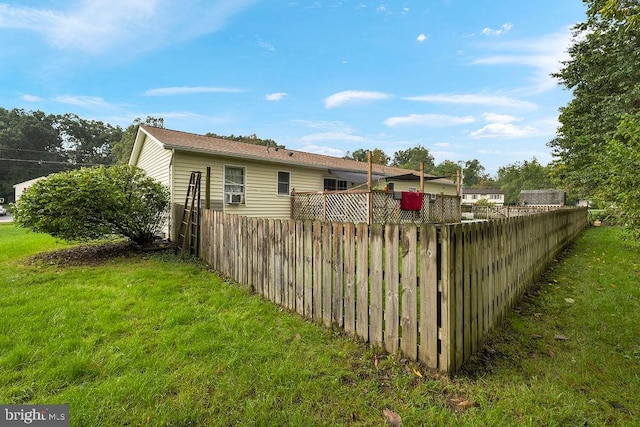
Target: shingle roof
{"points": [[482, 191], [184, 141]]}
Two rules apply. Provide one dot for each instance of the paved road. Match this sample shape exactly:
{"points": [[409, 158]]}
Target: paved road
{"points": [[6, 218]]}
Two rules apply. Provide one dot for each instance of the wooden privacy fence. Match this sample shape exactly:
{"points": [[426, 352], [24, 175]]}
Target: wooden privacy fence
{"points": [[372, 207], [430, 292], [493, 212]]}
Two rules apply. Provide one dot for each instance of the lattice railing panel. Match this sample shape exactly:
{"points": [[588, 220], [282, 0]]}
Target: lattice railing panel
{"points": [[354, 207]]}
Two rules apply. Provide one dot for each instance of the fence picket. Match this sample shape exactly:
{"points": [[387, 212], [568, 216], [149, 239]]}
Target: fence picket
{"points": [[300, 264], [338, 276], [350, 278], [428, 285], [317, 271], [409, 317], [362, 281], [327, 273], [376, 286], [392, 293], [308, 270]]}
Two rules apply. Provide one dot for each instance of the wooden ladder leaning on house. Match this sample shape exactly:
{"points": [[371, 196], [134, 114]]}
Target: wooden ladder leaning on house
{"points": [[189, 232]]}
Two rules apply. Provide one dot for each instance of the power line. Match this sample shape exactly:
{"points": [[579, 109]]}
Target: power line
{"points": [[26, 150], [53, 162]]}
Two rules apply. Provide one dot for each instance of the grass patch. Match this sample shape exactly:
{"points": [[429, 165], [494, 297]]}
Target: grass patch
{"points": [[152, 340]]}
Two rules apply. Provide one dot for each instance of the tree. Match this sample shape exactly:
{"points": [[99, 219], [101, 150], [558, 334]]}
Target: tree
{"points": [[620, 191], [30, 146], [626, 12], [35, 144], [122, 149], [605, 80], [412, 157], [251, 139], [447, 169], [361, 155], [474, 174], [88, 141], [91, 203], [528, 175]]}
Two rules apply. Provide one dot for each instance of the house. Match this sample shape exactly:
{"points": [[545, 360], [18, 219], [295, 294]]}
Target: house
{"points": [[257, 181], [471, 196], [543, 198], [21, 187]]}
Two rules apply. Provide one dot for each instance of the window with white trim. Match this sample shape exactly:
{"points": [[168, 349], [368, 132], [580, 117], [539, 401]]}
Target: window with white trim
{"points": [[284, 183], [234, 184]]}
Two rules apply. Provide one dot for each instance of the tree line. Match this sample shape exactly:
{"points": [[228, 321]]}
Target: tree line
{"points": [[511, 179], [34, 144]]}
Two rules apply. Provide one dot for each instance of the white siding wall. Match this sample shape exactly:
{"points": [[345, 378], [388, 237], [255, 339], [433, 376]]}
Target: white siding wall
{"points": [[155, 161]]}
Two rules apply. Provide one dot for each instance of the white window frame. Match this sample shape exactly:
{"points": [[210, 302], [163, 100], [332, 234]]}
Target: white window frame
{"points": [[226, 190], [278, 183]]}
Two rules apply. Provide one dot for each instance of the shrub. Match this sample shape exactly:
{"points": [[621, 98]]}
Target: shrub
{"points": [[92, 203]]}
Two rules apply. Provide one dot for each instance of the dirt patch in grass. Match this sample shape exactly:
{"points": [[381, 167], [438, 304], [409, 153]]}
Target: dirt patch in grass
{"points": [[84, 255]]}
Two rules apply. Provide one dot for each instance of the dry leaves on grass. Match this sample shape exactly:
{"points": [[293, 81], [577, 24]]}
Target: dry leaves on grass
{"points": [[392, 418]]}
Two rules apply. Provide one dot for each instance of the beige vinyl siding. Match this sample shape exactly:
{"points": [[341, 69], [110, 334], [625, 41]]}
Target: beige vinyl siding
{"points": [[155, 161], [261, 183]]}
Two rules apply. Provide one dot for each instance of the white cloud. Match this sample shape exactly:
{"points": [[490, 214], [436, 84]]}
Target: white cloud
{"points": [[83, 101], [499, 118], [474, 99], [31, 98], [422, 37], [505, 28], [187, 90], [544, 55], [504, 130], [267, 46], [353, 96], [179, 115], [319, 149], [95, 26], [332, 136], [430, 120], [278, 96]]}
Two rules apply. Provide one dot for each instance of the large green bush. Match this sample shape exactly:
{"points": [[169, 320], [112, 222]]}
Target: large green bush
{"points": [[92, 203]]}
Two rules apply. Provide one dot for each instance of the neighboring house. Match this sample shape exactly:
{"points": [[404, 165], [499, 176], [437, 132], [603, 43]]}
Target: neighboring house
{"points": [[22, 187], [543, 198], [254, 180], [471, 196]]}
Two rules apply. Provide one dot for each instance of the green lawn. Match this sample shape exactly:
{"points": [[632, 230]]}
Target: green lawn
{"points": [[152, 340]]}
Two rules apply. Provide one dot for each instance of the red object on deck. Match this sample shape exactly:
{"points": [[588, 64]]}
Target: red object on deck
{"points": [[411, 201]]}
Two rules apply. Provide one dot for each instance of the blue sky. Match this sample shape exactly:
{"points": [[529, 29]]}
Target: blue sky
{"points": [[467, 79]]}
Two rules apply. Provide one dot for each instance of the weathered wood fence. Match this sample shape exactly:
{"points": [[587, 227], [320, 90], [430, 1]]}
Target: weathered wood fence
{"points": [[430, 292]]}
